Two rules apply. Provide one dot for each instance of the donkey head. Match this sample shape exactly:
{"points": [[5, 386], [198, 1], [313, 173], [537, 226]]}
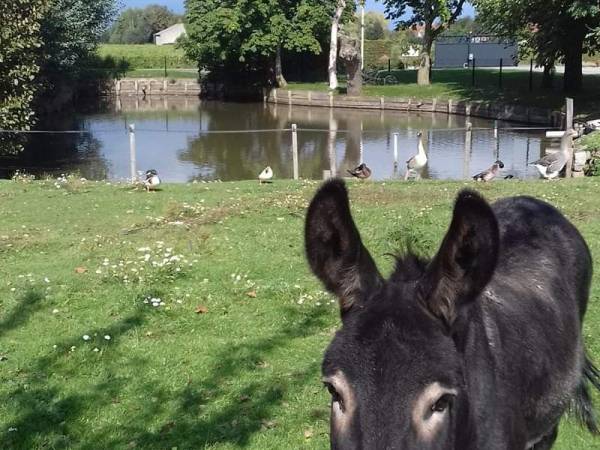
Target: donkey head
{"points": [[394, 369]]}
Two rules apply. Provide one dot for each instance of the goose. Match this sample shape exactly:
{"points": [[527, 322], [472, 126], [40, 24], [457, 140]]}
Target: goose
{"points": [[418, 161], [361, 171], [152, 180], [265, 175], [491, 173], [550, 165]]}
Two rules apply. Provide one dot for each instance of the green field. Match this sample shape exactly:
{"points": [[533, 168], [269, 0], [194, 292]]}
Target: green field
{"points": [[457, 84], [230, 358], [147, 56]]}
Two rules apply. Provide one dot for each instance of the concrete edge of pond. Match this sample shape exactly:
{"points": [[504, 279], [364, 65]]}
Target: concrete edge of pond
{"points": [[484, 109], [487, 110]]}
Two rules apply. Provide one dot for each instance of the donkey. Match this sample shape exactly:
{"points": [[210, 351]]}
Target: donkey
{"points": [[479, 348]]}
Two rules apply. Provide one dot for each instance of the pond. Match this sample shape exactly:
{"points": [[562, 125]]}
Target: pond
{"points": [[187, 139]]}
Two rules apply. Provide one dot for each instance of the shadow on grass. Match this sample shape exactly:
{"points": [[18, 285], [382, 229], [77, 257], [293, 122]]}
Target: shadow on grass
{"points": [[25, 308], [514, 89], [237, 398], [45, 414]]}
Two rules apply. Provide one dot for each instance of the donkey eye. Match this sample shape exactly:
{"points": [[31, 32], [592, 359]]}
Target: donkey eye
{"points": [[443, 403], [335, 396]]}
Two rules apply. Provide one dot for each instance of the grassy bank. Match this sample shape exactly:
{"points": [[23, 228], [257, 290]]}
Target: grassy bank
{"points": [[149, 60], [457, 84], [229, 358]]}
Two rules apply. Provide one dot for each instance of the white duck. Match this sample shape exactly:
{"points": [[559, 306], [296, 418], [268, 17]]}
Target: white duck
{"points": [[550, 165], [417, 162], [152, 180], [265, 175]]}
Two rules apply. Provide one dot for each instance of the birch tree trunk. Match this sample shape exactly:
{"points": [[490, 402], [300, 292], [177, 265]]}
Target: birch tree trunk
{"points": [[333, 45], [279, 70]]}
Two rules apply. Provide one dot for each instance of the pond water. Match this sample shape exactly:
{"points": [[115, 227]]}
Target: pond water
{"points": [[182, 138]]}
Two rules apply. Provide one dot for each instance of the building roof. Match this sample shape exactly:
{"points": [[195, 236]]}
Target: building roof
{"points": [[172, 28]]}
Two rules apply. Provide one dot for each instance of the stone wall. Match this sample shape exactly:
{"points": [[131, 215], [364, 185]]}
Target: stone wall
{"points": [[150, 86]]}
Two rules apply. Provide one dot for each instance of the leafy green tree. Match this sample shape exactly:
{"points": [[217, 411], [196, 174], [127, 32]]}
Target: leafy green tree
{"points": [[555, 30], [376, 26], [130, 28], [435, 15], [71, 31], [464, 26], [232, 36], [20, 42], [138, 25]]}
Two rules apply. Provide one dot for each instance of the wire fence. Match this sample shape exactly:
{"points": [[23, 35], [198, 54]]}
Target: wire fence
{"points": [[272, 130]]}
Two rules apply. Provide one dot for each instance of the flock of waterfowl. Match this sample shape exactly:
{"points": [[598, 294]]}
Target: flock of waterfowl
{"points": [[548, 166]]}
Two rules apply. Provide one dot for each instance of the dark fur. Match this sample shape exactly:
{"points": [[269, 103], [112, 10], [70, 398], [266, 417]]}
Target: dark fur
{"points": [[496, 315]]}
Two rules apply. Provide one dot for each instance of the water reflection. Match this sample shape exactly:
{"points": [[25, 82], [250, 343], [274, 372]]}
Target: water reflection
{"points": [[178, 137]]}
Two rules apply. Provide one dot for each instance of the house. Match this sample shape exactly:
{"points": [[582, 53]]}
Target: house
{"points": [[169, 35], [417, 30]]}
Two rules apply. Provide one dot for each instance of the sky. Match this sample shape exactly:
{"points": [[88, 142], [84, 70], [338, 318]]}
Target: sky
{"points": [[177, 5]]}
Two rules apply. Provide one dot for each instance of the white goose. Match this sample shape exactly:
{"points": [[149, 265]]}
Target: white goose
{"points": [[417, 162], [265, 175]]}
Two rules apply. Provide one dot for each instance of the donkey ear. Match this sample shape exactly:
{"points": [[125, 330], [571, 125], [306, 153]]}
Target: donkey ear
{"points": [[465, 261], [334, 249]]}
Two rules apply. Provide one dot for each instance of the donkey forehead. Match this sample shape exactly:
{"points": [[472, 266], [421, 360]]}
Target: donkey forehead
{"points": [[371, 349]]}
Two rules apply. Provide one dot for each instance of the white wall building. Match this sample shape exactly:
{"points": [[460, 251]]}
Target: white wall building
{"points": [[169, 35]]}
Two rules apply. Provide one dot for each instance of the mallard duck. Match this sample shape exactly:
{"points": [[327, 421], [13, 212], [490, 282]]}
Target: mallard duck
{"points": [[361, 171], [265, 175], [152, 180], [491, 173], [418, 161], [550, 165]]}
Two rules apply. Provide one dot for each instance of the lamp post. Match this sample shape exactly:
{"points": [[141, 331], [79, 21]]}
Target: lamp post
{"points": [[362, 34]]}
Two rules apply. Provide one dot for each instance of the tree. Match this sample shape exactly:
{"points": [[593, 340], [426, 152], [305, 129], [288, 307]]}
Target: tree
{"points": [[71, 31], [556, 30], [463, 27], [131, 28], [138, 25], [376, 26], [333, 44], [20, 40], [435, 15], [230, 37]]}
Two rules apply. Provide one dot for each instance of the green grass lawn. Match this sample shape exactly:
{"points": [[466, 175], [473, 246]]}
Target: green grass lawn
{"points": [[457, 84], [230, 356], [147, 56], [160, 73]]}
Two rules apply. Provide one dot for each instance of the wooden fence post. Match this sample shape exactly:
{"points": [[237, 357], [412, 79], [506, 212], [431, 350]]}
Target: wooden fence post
{"points": [[396, 150], [132, 169], [467, 153], [295, 150], [569, 126]]}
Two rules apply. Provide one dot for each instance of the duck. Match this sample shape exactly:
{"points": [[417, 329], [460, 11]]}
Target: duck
{"points": [[152, 180], [418, 161], [266, 175], [551, 165], [361, 171], [491, 173]]}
